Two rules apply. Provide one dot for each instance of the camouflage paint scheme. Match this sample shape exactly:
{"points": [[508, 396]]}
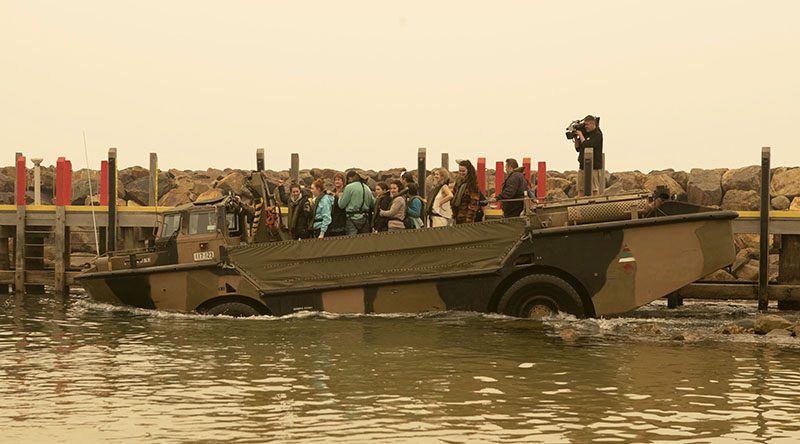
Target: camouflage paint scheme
{"points": [[614, 265]]}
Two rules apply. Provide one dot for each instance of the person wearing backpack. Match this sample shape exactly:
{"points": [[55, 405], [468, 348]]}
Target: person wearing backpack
{"points": [[413, 207], [397, 212], [357, 201]]}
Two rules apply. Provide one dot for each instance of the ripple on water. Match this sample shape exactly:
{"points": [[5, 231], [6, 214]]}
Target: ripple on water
{"points": [[72, 370]]}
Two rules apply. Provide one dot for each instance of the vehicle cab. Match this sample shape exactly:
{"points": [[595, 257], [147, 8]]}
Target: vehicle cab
{"points": [[195, 232]]}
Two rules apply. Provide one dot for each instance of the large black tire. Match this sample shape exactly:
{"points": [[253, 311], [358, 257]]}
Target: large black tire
{"points": [[235, 309], [541, 295]]}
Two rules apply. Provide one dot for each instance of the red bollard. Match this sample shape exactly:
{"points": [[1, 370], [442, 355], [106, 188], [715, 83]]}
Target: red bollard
{"points": [[498, 180], [481, 173], [541, 179], [526, 164], [22, 183], [104, 182], [67, 182], [60, 181]]}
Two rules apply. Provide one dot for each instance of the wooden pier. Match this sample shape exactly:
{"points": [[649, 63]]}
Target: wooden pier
{"points": [[27, 230]]}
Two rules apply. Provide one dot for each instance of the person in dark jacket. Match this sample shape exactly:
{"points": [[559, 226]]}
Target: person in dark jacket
{"points": [[383, 201], [300, 217], [514, 189], [338, 215], [466, 194], [592, 137]]}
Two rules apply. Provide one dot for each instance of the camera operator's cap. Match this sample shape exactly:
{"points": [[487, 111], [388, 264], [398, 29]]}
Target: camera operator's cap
{"points": [[590, 117]]}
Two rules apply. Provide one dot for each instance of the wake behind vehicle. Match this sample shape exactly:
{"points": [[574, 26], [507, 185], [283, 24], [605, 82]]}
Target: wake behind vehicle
{"points": [[591, 256]]}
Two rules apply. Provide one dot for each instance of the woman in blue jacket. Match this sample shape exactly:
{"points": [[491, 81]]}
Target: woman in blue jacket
{"points": [[323, 203]]}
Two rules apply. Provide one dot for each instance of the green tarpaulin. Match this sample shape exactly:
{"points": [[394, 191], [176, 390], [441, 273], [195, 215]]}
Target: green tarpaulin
{"points": [[369, 258]]}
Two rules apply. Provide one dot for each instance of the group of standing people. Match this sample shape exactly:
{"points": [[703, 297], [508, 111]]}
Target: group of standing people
{"points": [[353, 208]]}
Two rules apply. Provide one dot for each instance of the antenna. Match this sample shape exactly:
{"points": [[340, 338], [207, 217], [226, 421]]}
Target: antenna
{"points": [[91, 195]]}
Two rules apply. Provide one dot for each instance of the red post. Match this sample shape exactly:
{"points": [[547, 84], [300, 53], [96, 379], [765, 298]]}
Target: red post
{"points": [[526, 163], [498, 180], [481, 173], [104, 182], [67, 182], [541, 179], [22, 184], [59, 181]]}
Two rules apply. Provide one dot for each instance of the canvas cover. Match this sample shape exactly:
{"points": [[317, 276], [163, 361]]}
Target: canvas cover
{"points": [[371, 258]]}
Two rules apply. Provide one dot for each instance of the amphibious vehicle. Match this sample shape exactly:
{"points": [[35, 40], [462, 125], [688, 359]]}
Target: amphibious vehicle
{"points": [[592, 256]]}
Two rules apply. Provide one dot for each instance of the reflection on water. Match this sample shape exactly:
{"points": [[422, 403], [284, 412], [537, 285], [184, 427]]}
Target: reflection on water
{"points": [[71, 370]]}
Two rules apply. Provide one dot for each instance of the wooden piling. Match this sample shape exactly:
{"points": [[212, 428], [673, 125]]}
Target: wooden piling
{"points": [[763, 254], [294, 173], [111, 237], [422, 170], [60, 255], [19, 240], [446, 161], [152, 183], [37, 180], [789, 267], [588, 165], [260, 159], [602, 189], [5, 255]]}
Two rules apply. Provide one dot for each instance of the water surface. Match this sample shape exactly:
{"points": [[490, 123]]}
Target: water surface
{"points": [[72, 371]]}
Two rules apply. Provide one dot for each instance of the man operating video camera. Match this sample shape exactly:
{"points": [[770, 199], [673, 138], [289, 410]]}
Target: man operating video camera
{"points": [[586, 134]]}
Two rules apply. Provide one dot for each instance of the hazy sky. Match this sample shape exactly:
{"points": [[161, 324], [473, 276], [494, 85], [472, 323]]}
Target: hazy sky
{"points": [[365, 83]]}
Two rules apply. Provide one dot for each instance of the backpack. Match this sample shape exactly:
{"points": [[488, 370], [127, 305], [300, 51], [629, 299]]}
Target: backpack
{"points": [[408, 220]]}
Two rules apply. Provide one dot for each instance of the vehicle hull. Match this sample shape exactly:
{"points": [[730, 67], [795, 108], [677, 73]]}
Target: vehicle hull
{"points": [[615, 266]]}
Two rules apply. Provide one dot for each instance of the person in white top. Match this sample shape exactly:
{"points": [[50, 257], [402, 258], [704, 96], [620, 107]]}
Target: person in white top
{"points": [[438, 208]]}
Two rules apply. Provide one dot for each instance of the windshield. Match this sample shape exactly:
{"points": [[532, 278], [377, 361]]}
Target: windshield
{"points": [[202, 222], [172, 223]]}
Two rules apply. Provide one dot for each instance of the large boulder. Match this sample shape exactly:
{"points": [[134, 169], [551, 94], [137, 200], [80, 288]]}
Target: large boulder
{"points": [[745, 179], [176, 197], [182, 193], [7, 177], [780, 203], [387, 175], [786, 183], [741, 200], [682, 177], [128, 175], [81, 181], [767, 323], [558, 183], [719, 276], [626, 182], [704, 187], [664, 180], [748, 272], [234, 183], [556, 194], [139, 190]]}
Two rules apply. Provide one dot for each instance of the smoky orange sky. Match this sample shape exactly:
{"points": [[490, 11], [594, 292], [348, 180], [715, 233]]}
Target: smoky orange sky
{"points": [[677, 84]]}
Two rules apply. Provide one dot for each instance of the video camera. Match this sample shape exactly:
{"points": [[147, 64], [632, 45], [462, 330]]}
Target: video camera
{"points": [[577, 125]]}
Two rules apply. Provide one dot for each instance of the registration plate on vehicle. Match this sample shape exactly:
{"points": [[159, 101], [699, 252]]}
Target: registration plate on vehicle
{"points": [[204, 255]]}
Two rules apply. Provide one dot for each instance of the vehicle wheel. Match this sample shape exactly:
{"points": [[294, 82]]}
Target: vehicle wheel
{"points": [[235, 309], [539, 296]]}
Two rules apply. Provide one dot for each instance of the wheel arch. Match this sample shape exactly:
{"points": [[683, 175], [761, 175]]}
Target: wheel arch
{"points": [[223, 299], [509, 280]]}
